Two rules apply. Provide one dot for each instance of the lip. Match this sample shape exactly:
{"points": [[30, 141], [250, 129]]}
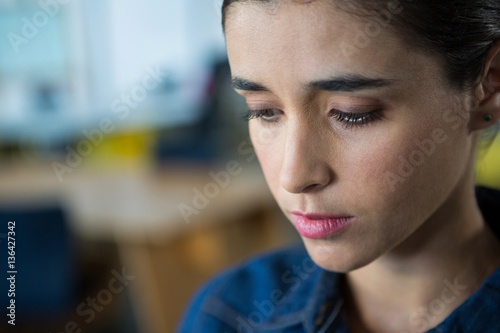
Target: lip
{"points": [[319, 226]]}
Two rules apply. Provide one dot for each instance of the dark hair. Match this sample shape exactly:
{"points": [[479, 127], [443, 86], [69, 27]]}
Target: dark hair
{"points": [[462, 31]]}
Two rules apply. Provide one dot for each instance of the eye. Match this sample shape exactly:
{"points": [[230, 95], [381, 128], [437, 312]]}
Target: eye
{"points": [[267, 115], [350, 120]]}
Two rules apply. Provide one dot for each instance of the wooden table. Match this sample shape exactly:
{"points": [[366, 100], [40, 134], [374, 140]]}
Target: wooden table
{"points": [[139, 210]]}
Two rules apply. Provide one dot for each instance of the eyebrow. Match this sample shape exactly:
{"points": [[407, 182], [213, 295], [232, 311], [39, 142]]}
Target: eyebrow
{"points": [[336, 84], [349, 83], [247, 85]]}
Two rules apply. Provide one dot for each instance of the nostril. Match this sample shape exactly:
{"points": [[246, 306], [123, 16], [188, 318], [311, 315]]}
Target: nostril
{"points": [[312, 188], [306, 180]]}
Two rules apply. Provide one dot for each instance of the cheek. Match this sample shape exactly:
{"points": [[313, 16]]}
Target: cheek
{"points": [[366, 170], [264, 141], [404, 171]]}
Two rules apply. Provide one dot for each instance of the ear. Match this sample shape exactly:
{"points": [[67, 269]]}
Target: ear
{"points": [[488, 92]]}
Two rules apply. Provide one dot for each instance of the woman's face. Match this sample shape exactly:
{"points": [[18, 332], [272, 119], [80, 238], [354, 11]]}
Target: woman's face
{"points": [[357, 126]]}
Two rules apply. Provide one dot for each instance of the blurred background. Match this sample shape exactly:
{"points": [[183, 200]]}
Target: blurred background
{"points": [[125, 163]]}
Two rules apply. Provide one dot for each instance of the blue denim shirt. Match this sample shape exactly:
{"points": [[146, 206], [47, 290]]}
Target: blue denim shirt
{"points": [[285, 291]]}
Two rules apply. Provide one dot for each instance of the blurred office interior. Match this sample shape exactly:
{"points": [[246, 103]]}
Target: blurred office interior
{"points": [[112, 114], [125, 163]]}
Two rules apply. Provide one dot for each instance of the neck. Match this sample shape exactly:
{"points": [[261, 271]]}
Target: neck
{"points": [[420, 282]]}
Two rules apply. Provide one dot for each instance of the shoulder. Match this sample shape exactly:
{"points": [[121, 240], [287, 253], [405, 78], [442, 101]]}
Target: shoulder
{"points": [[275, 284], [480, 312]]}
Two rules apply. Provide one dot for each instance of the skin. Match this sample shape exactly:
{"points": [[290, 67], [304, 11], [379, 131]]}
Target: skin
{"points": [[409, 236]]}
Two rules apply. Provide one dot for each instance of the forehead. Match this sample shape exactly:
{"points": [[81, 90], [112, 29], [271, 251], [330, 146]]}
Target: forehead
{"points": [[307, 41]]}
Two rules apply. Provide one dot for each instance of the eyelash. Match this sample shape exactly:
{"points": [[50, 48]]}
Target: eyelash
{"points": [[254, 114], [348, 119], [357, 119]]}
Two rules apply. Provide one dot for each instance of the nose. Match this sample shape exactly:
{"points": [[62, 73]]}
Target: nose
{"points": [[305, 165]]}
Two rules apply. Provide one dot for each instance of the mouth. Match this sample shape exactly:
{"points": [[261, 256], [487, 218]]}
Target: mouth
{"points": [[320, 226]]}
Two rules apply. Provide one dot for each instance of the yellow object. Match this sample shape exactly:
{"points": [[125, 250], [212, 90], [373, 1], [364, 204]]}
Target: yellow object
{"points": [[126, 149], [488, 165]]}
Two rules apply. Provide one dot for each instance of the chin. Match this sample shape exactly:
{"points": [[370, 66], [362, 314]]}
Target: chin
{"points": [[336, 258]]}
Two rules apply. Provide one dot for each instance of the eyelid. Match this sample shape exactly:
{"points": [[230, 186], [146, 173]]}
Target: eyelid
{"points": [[346, 108], [259, 113]]}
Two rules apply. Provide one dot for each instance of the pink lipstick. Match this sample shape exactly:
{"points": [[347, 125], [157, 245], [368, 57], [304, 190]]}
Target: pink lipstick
{"points": [[318, 226]]}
